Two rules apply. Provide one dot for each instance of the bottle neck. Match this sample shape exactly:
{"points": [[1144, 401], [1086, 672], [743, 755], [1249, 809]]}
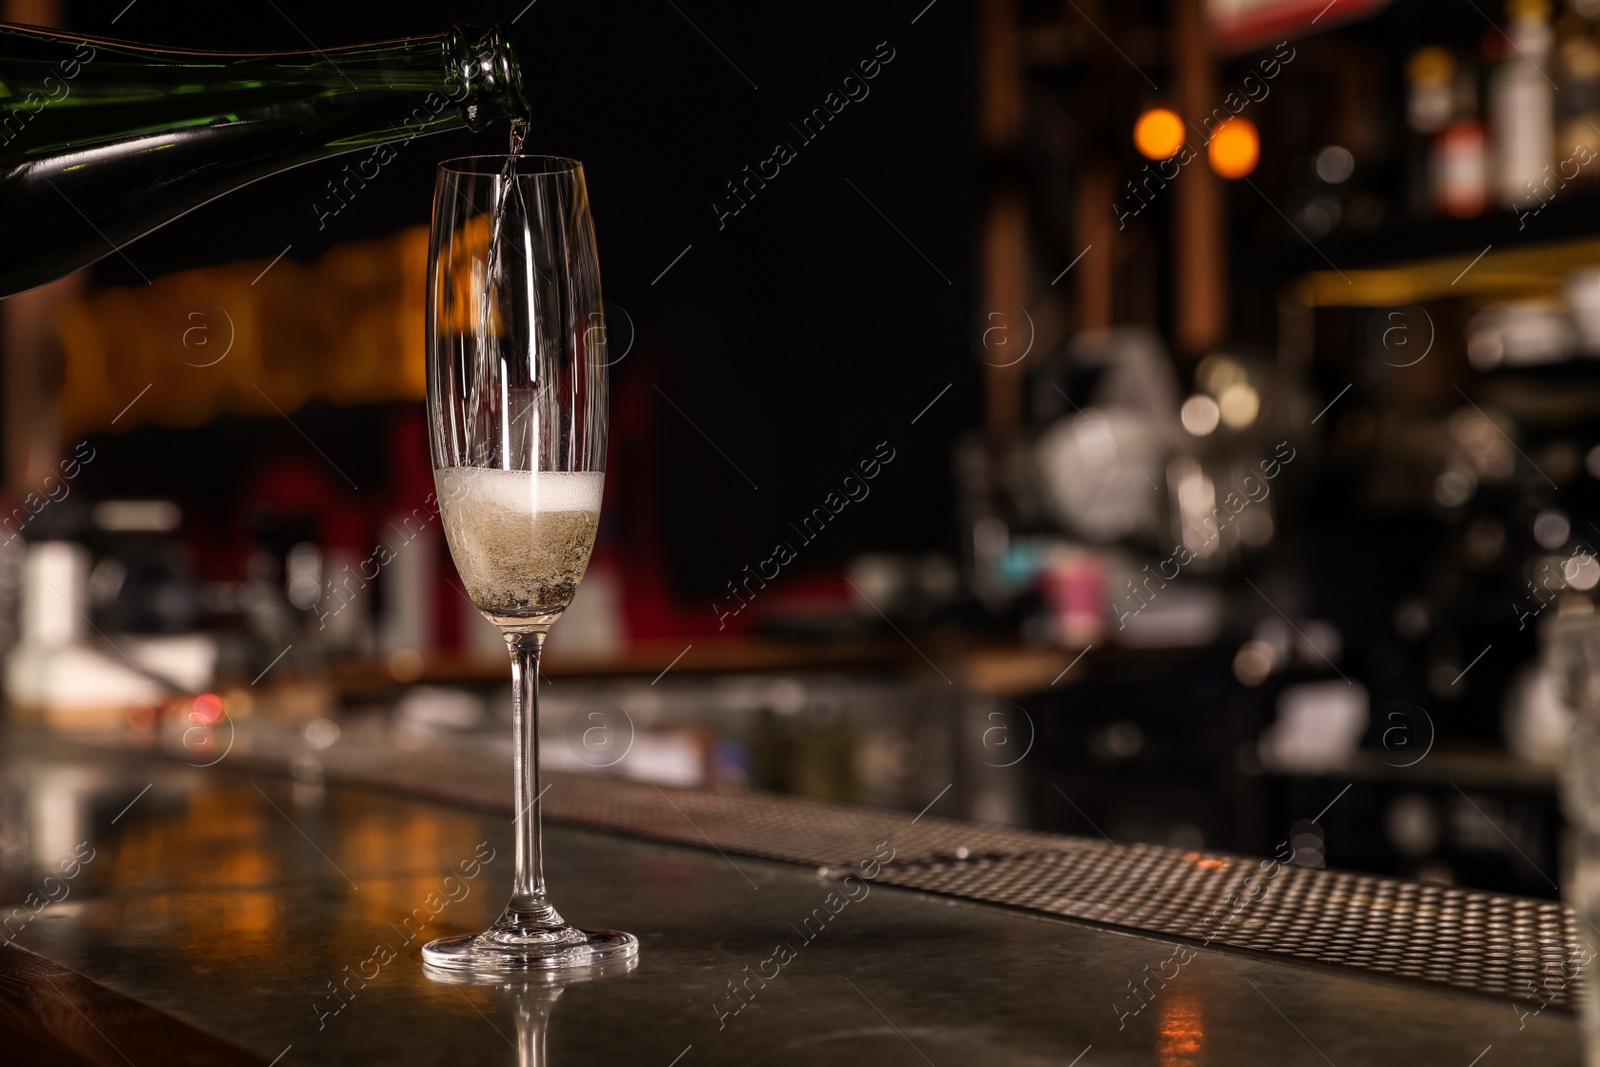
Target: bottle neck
{"points": [[95, 89], [103, 141]]}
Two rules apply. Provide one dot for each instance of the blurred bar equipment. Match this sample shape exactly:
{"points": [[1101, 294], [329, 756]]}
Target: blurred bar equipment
{"points": [[1571, 654]]}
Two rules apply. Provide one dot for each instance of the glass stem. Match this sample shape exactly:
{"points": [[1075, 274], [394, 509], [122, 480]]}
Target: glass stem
{"points": [[529, 908]]}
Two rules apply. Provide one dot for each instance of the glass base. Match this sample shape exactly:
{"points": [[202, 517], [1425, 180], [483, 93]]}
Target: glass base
{"points": [[496, 952]]}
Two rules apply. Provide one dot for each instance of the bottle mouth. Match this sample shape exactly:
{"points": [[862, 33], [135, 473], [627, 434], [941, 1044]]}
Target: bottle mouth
{"points": [[487, 65]]}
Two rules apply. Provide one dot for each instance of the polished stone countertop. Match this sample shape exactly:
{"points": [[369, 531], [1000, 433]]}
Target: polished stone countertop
{"points": [[239, 904]]}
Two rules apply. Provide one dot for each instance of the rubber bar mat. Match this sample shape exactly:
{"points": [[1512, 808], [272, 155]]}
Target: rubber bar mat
{"points": [[1503, 946]]}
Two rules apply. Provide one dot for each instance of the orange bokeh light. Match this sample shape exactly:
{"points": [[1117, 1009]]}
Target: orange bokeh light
{"points": [[1235, 148], [1159, 133]]}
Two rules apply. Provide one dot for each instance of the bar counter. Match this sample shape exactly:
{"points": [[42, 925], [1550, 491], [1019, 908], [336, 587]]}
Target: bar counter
{"points": [[269, 910]]}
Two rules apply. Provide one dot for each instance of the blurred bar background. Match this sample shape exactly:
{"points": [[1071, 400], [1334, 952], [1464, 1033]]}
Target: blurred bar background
{"points": [[1143, 420]]}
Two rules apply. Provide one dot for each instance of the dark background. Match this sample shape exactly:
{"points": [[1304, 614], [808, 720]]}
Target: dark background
{"points": [[796, 338]]}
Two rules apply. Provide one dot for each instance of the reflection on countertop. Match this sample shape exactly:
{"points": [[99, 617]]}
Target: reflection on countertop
{"points": [[284, 915]]}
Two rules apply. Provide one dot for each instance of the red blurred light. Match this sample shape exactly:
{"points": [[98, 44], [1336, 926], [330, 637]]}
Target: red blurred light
{"points": [[207, 708]]}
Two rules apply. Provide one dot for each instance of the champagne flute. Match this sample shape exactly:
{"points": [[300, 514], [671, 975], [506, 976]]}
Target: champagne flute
{"points": [[517, 413]]}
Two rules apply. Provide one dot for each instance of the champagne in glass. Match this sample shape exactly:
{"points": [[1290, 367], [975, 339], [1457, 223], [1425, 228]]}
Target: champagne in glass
{"points": [[521, 539], [517, 413]]}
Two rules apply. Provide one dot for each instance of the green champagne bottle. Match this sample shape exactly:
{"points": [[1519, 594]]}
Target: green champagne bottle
{"points": [[102, 141]]}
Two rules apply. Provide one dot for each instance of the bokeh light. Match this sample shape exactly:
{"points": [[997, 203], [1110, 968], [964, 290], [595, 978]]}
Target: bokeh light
{"points": [[1235, 148], [1238, 405], [207, 708], [1158, 134], [1199, 415]]}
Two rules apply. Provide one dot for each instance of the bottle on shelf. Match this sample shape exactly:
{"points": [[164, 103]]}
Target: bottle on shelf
{"points": [[1458, 155], [1578, 99], [1522, 106], [1430, 104], [103, 141]]}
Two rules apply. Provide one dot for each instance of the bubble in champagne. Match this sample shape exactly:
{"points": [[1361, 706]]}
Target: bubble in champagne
{"points": [[521, 539]]}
